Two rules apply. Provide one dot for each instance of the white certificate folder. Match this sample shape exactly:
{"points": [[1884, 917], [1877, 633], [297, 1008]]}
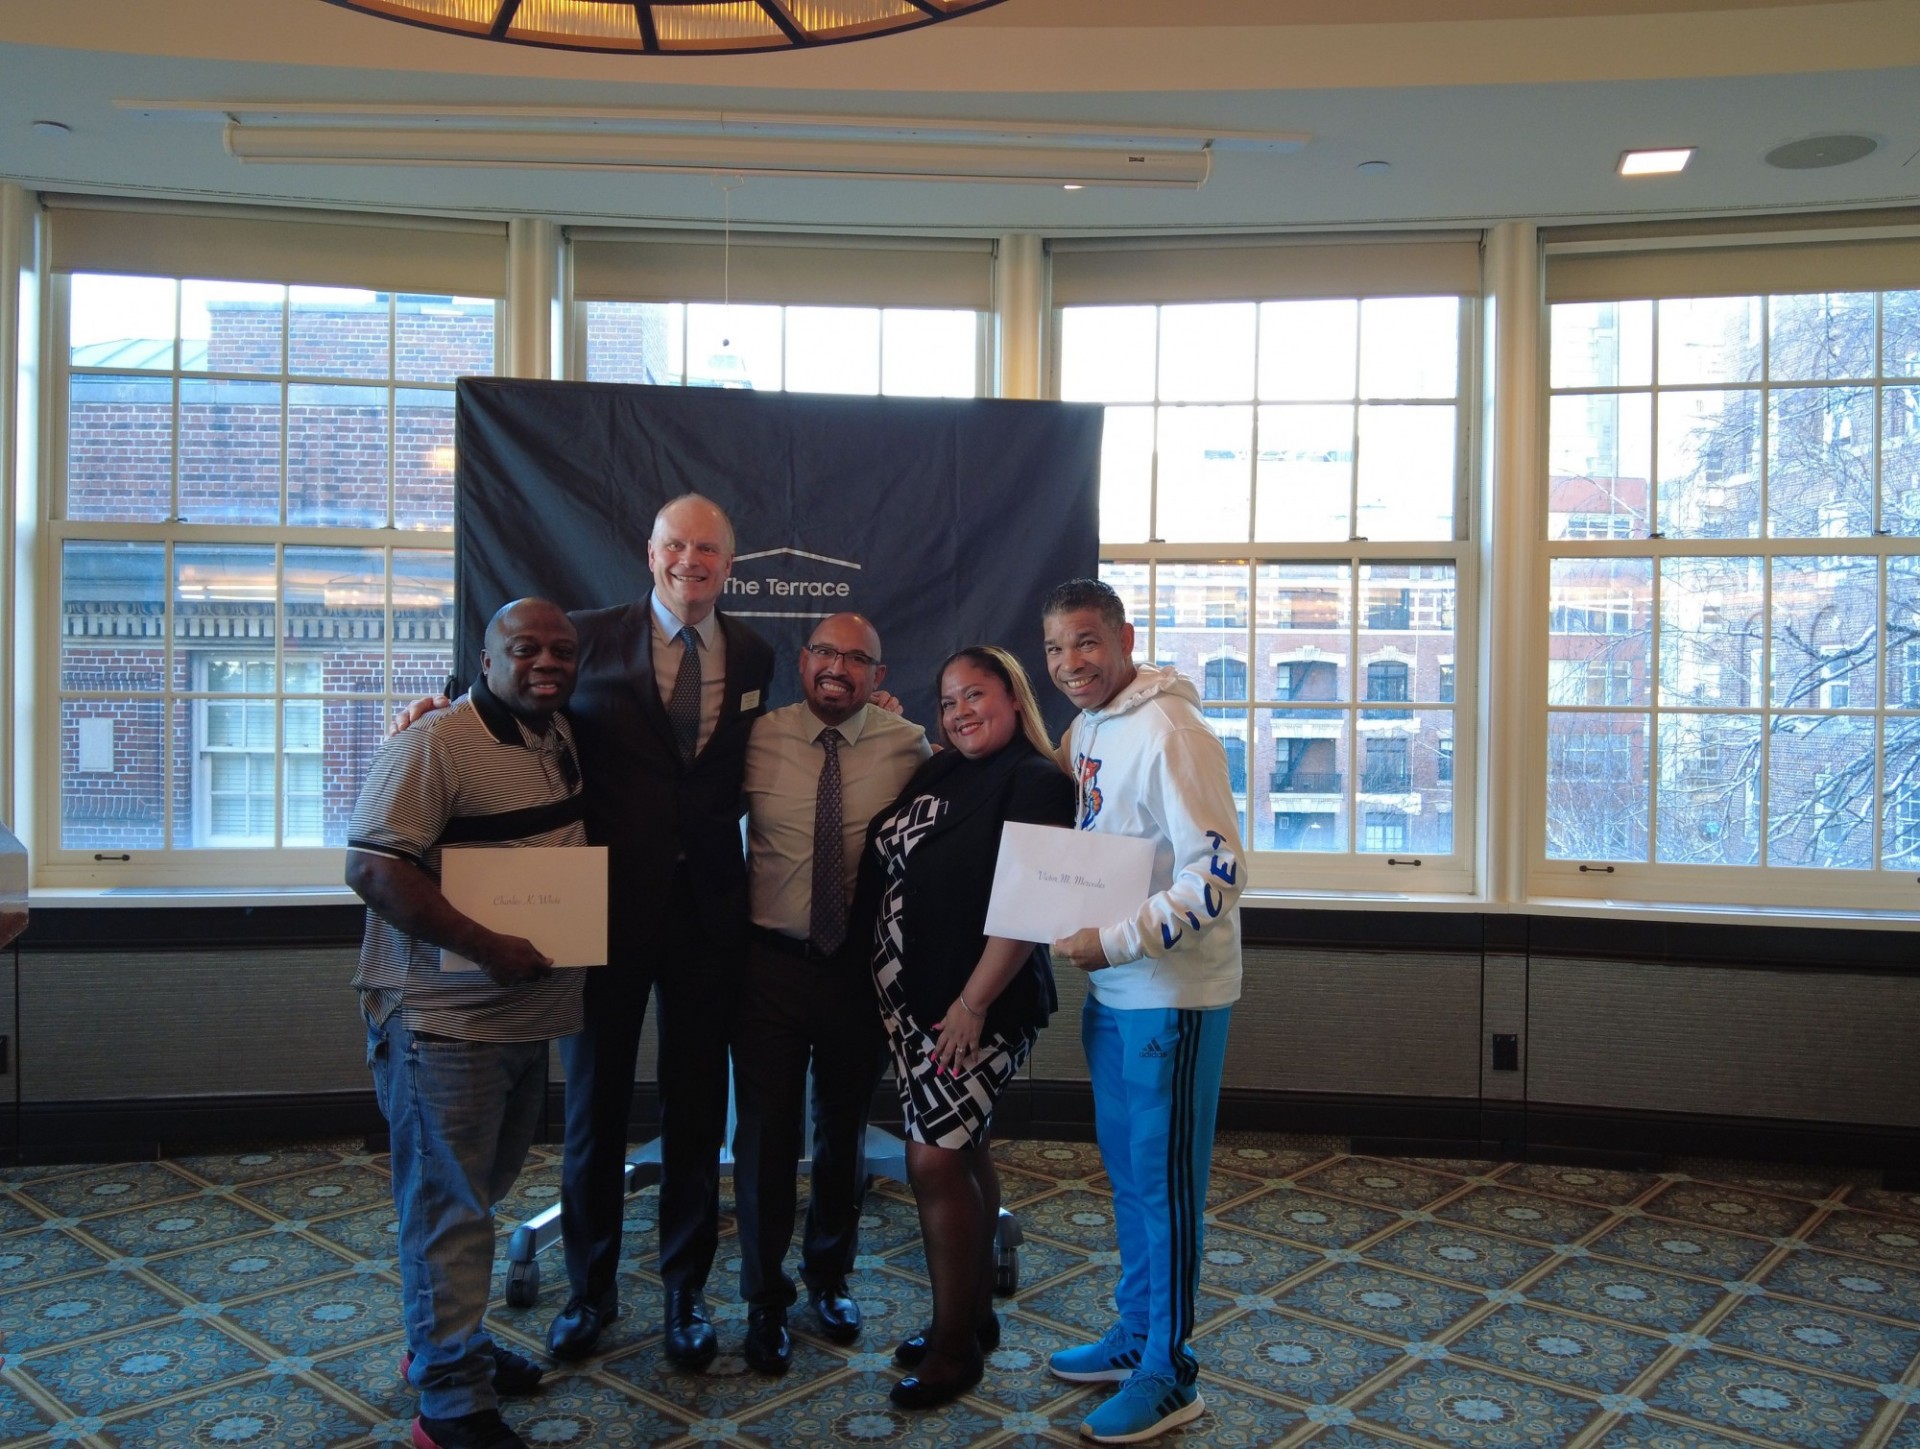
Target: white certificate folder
{"points": [[1050, 882], [554, 895]]}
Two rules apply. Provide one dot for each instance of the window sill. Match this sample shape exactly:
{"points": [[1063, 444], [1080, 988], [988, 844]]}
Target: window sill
{"points": [[111, 897], [146, 897], [1613, 910]]}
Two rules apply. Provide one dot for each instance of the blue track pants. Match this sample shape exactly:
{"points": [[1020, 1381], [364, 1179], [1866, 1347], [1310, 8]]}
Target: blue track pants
{"points": [[1156, 1093]]}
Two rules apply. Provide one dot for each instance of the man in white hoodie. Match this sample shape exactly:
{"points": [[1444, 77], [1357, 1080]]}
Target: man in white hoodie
{"points": [[1163, 982]]}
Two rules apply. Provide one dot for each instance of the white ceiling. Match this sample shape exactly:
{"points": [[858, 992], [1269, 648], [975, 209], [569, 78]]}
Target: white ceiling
{"points": [[1485, 108]]}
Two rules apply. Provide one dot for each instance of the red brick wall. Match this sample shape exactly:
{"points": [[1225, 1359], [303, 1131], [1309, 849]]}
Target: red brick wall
{"points": [[121, 438]]}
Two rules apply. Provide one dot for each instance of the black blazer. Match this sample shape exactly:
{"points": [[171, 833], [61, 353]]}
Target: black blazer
{"points": [[647, 807], [950, 877]]}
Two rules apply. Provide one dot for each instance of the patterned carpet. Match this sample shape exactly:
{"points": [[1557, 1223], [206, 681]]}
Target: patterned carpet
{"points": [[250, 1299]]}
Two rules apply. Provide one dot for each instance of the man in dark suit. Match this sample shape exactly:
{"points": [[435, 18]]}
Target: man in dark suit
{"points": [[668, 691]]}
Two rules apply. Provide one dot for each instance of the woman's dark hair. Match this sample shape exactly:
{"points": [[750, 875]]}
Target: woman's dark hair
{"points": [[1002, 666]]}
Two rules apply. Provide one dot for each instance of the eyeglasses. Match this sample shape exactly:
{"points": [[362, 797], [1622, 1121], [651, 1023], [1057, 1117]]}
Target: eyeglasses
{"points": [[827, 654]]}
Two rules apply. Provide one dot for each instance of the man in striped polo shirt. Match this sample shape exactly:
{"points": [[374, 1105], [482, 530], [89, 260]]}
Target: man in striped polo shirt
{"points": [[458, 1057]]}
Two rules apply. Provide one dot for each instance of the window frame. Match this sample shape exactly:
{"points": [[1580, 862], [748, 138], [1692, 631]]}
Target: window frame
{"points": [[170, 866], [578, 353], [1653, 882], [1348, 871]]}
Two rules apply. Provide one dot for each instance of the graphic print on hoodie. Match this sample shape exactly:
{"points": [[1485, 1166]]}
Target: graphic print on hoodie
{"points": [[1089, 793], [1147, 765]]}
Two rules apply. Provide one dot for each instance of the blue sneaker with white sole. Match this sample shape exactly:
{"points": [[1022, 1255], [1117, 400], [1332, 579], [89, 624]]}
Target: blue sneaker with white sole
{"points": [[1112, 1360], [1146, 1405]]}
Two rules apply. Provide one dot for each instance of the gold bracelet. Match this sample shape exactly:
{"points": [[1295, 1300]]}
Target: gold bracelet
{"points": [[969, 1006]]}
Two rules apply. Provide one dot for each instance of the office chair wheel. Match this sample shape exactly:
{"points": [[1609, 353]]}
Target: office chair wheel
{"points": [[1007, 1238], [523, 1284], [1006, 1272]]}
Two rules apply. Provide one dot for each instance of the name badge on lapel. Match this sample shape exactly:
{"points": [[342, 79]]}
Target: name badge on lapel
{"points": [[749, 701]]}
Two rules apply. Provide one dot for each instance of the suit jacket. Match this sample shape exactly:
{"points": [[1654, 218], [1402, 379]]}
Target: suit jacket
{"points": [[950, 878], [646, 806]]}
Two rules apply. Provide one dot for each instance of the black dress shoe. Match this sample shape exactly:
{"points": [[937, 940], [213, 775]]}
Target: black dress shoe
{"points": [[768, 1349], [912, 1350], [921, 1391], [839, 1314], [689, 1332], [576, 1328]]}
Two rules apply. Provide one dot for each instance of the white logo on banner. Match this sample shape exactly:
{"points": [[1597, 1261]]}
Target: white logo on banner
{"points": [[832, 593], [828, 595]]}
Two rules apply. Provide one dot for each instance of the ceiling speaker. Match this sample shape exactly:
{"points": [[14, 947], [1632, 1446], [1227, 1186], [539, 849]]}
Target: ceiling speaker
{"points": [[1818, 151]]}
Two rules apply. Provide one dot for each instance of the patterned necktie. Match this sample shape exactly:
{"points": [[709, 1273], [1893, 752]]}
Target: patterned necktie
{"points": [[684, 708], [828, 925]]}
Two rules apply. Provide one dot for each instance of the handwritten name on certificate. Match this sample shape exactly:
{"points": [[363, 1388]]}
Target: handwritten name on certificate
{"points": [[1050, 882], [554, 895]]}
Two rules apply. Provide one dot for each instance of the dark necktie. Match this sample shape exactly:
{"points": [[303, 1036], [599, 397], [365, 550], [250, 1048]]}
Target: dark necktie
{"points": [[684, 708], [828, 926]]}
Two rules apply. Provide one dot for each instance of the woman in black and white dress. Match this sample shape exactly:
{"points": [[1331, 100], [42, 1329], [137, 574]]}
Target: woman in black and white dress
{"points": [[962, 1009]]}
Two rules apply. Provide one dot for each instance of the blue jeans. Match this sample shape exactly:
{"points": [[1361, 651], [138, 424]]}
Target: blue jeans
{"points": [[1156, 1092], [460, 1117]]}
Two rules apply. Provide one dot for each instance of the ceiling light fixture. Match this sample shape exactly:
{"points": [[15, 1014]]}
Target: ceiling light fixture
{"points": [[669, 27], [621, 138], [1669, 161], [784, 156]]}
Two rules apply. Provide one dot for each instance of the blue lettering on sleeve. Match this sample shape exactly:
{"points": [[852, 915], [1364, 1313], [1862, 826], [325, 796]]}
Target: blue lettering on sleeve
{"points": [[1168, 936], [1214, 900], [1228, 872]]}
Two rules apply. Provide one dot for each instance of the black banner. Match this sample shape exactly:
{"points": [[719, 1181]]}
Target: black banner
{"points": [[945, 522]]}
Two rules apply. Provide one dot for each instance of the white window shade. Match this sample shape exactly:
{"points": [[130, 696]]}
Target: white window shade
{"points": [[842, 271], [249, 244], [1111, 270], [1851, 253]]}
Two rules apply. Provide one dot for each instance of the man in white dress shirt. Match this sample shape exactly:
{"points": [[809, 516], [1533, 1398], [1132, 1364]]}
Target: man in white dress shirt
{"points": [[816, 773]]}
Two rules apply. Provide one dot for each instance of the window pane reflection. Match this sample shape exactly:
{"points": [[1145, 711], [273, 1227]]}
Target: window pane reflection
{"points": [[1709, 789], [1597, 786], [1307, 782]]}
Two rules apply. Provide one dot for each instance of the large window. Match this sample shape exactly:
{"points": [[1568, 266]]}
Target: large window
{"points": [[252, 525], [895, 351], [874, 316], [1281, 494], [1733, 503]]}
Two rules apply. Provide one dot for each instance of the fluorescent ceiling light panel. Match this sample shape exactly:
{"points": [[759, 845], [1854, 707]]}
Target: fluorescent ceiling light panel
{"points": [[763, 156], [913, 148], [1667, 162]]}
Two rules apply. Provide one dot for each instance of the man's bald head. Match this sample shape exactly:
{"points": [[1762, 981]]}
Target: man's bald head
{"points": [[530, 659], [691, 554], [840, 667]]}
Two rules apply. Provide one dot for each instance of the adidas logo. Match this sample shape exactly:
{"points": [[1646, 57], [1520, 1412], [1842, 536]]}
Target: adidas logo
{"points": [[1151, 1051]]}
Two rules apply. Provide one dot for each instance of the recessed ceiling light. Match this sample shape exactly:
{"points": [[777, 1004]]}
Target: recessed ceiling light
{"points": [[52, 128], [1072, 186], [1655, 163]]}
